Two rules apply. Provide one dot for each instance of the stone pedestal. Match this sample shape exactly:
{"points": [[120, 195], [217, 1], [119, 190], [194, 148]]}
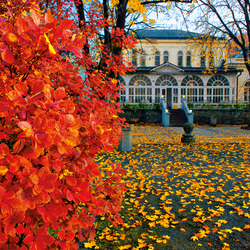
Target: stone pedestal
{"points": [[188, 136], [213, 120], [126, 141]]}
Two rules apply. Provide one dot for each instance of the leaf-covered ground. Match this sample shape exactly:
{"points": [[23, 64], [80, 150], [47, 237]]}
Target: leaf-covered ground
{"points": [[179, 196]]}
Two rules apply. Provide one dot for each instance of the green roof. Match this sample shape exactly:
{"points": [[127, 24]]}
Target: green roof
{"points": [[165, 34]]}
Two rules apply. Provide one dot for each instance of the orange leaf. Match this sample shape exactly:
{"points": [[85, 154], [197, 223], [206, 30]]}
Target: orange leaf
{"points": [[3, 170], [48, 17], [34, 178], [36, 18], [48, 92], [25, 126], [21, 88], [18, 146]]}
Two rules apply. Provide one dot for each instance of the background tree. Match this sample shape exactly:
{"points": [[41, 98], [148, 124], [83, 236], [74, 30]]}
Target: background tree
{"points": [[226, 18]]}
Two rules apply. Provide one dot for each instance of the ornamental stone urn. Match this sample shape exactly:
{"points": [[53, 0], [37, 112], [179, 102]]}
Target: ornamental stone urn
{"points": [[188, 136]]}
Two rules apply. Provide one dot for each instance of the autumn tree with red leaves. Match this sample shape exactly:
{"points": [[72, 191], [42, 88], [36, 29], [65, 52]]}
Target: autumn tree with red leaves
{"points": [[53, 123]]}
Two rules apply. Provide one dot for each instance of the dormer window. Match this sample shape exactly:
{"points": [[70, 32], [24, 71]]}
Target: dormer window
{"points": [[143, 59], [203, 60], [134, 58], [166, 56], [180, 58], [188, 59], [157, 58]]}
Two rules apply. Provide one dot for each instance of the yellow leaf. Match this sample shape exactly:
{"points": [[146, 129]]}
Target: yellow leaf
{"points": [[194, 238], [51, 49], [89, 244]]}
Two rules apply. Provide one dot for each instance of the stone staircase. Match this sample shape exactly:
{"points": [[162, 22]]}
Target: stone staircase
{"points": [[177, 118]]}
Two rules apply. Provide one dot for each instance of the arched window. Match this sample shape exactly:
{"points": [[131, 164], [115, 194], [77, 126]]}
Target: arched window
{"points": [[247, 91], [166, 56], [140, 89], [134, 58], [166, 80], [180, 58], [143, 59], [188, 59], [157, 58], [162, 83], [203, 59], [193, 89], [123, 92], [217, 89]]}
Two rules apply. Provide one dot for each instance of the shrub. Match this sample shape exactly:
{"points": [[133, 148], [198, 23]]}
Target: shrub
{"points": [[52, 126]]}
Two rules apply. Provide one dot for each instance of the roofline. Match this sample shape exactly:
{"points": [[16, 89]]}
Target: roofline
{"points": [[185, 71], [167, 64]]}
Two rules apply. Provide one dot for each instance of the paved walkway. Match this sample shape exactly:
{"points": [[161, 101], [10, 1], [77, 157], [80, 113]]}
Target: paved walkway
{"points": [[203, 134]]}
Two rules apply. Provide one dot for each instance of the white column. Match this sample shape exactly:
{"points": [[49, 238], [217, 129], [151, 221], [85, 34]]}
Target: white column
{"points": [[127, 93], [205, 94]]}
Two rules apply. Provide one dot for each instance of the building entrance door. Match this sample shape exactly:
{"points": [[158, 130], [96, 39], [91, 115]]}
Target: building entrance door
{"points": [[169, 101]]}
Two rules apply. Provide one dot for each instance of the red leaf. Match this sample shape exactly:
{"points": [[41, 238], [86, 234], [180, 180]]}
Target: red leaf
{"points": [[48, 239], [70, 236], [71, 180], [85, 195], [61, 234], [41, 209], [3, 237], [29, 239], [7, 56], [69, 195], [59, 93], [4, 136], [65, 24], [16, 203], [19, 229], [30, 153], [4, 108], [75, 50], [55, 225]]}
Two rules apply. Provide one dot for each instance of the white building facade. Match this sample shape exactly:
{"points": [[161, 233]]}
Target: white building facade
{"points": [[156, 77]]}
